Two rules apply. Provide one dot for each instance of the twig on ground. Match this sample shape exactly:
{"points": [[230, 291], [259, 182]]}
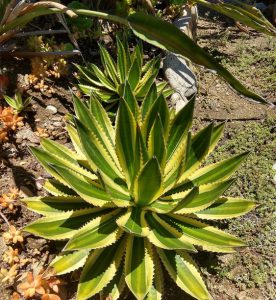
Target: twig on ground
{"points": [[4, 218], [40, 32]]}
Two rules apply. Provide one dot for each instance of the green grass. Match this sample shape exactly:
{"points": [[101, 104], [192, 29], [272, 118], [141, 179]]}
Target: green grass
{"points": [[252, 267], [255, 62], [248, 273]]}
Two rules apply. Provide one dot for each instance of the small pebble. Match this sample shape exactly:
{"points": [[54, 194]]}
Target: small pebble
{"points": [[57, 124], [39, 183], [52, 109], [33, 243], [57, 118], [50, 127], [26, 134]]}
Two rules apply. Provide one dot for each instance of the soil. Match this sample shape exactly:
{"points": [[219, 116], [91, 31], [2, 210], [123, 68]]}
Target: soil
{"points": [[216, 102]]}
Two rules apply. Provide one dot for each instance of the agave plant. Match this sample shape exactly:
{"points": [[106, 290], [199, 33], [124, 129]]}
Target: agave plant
{"points": [[108, 84], [14, 16], [18, 103], [132, 196]]}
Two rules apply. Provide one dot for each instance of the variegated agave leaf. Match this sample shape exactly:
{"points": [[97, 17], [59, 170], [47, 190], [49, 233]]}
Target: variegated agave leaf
{"points": [[108, 83], [133, 196]]}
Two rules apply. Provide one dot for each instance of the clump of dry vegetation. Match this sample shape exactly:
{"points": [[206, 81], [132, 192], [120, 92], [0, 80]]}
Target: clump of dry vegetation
{"points": [[10, 200], [33, 284], [22, 272], [45, 67]]}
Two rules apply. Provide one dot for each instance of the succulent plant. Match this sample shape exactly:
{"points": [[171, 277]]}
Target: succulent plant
{"points": [[18, 103], [9, 121], [132, 197], [109, 83]]}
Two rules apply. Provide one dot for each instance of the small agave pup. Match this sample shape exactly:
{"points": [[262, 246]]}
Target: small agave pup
{"points": [[109, 83], [131, 198]]}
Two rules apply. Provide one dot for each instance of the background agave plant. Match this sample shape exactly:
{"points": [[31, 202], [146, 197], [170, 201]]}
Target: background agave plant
{"points": [[108, 84], [149, 28], [132, 196]]}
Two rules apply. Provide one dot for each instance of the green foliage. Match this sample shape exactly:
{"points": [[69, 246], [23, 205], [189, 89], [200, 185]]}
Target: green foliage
{"points": [[167, 36], [17, 102], [244, 13], [133, 195], [255, 61], [80, 23], [3, 6], [108, 83], [149, 28]]}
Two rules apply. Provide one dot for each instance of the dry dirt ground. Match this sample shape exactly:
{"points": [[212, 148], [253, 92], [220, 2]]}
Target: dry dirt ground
{"points": [[248, 274]]}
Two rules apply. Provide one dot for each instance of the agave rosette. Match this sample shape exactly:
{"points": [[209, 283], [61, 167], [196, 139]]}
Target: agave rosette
{"points": [[132, 197], [109, 82]]}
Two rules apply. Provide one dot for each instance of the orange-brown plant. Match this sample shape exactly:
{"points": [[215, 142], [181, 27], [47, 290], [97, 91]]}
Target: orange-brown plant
{"points": [[13, 235], [9, 200], [47, 288], [9, 121]]}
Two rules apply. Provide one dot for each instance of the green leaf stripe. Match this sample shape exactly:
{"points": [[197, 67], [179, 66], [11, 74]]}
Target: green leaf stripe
{"points": [[139, 266], [184, 273], [98, 233]]}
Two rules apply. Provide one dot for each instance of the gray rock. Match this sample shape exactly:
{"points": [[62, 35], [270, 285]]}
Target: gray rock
{"points": [[35, 243], [177, 70], [57, 124], [39, 183], [57, 118], [52, 109], [27, 134], [177, 101], [180, 75]]}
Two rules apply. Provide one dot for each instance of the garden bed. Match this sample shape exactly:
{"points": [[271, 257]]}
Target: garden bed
{"points": [[250, 127]]}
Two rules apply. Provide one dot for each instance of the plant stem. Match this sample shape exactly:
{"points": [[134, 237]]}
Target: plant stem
{"points": [[40, 32], [101, 15], [41, 11]]}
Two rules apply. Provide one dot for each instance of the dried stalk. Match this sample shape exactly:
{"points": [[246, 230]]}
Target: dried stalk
{"points": [[8, 12], [50, 4], [4, 218], [29, 54], [40, 32]]}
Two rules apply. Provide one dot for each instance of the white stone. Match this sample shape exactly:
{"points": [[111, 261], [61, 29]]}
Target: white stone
{"points": [[52, 109], [179, 75], [178, 102], [27, 134]]}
